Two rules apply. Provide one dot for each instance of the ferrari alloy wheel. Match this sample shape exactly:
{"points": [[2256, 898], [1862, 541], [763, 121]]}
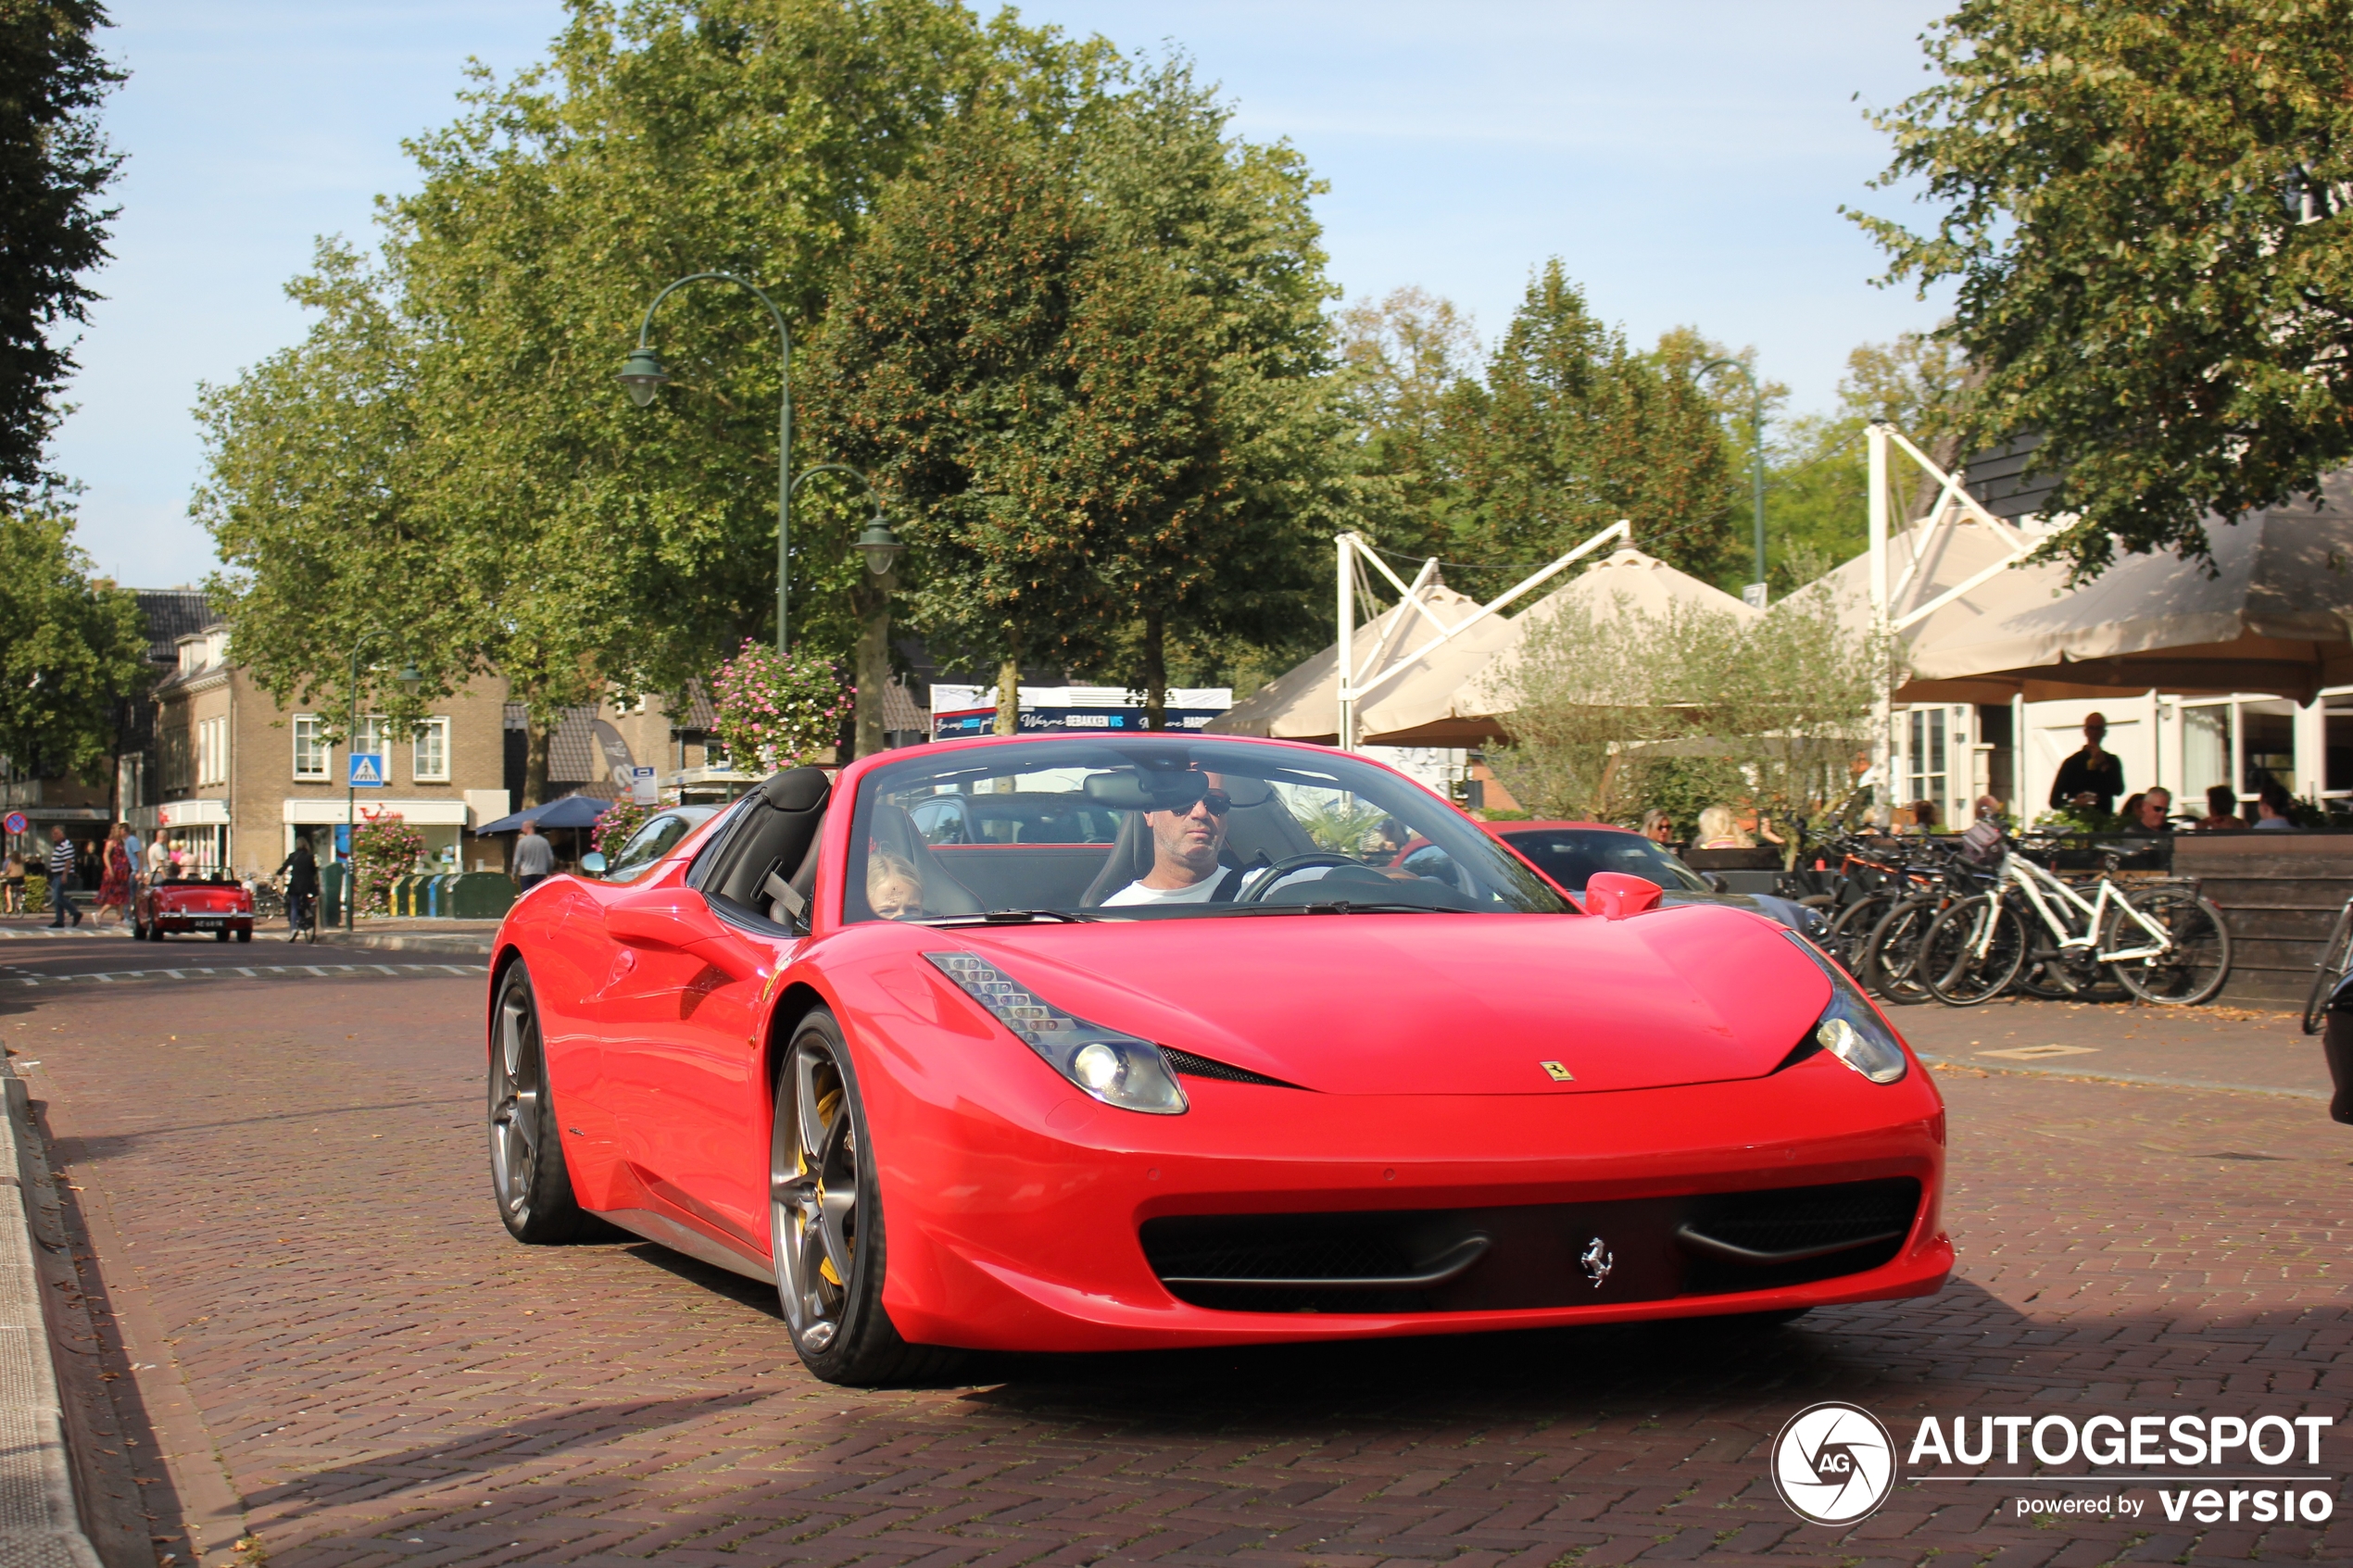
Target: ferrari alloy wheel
{"points": [[527, 1172], [826, 1222]]}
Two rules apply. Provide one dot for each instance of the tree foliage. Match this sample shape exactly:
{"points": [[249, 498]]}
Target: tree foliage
{"points": [[1614, 713], [454, 404], [1562, 431], [70, 649], [2145, 207], [54, 165], [1088, 363]]}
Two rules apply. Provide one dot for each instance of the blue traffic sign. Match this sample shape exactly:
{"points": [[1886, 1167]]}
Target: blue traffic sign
{"points": [[367, 770]]}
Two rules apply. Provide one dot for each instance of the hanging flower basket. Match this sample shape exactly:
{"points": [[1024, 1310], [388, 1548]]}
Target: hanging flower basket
{"points": [[778, 711]]}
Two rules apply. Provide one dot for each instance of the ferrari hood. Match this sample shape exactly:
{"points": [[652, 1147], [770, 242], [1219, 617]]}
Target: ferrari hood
{"points": [[1404, 1004]]}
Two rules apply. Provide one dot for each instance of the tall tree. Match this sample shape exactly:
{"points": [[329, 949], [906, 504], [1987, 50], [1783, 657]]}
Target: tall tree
{"points": [[54, 165], [70, 649], [2145, 209], [943, 373], [1230, 470], [1573, 430], [1398, 357]]}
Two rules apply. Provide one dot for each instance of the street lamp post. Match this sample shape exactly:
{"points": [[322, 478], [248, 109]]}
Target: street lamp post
{"points": [[1756, 594], [408, 679], [643, 373]]}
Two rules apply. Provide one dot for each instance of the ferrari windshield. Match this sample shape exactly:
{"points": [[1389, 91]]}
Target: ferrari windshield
{"points": [[1158, 829]]}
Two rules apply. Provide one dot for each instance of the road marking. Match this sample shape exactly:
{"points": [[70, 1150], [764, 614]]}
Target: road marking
{"points": [[2039, 1053], [329, 972]]}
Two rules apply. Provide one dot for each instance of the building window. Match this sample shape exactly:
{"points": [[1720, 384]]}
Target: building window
{"points": [[432, 754], [212, 752], [375, 739], [311, 750], [1926, 755]]}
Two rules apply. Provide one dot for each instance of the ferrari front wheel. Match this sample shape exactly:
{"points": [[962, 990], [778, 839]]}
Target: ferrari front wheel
{"points": [[527, 1173], [825, 1219]]}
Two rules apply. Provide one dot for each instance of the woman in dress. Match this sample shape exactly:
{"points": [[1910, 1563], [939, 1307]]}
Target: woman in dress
{"points": [[114, 882]]}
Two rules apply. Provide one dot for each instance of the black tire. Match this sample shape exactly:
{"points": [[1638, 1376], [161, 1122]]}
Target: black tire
{"points": [[827, 1243], [1851, 931], [2334, 957], [2198, 962], [1890, 958], [1951, 966], [221, 935], [245, 936], [527, 1176]]}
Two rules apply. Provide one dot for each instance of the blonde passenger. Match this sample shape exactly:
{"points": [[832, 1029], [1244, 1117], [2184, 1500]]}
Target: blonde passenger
{"points": [[894, 888], [1719, 828]]}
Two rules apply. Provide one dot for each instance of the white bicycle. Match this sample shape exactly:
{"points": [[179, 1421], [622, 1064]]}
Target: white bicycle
{"points": [[2162, 942]]}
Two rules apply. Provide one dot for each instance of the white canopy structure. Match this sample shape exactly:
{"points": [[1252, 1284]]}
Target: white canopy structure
{"points": [[2272, 615]]}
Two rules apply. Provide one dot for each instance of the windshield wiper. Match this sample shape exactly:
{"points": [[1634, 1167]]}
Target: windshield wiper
{"points": [[1347, 906], [1014, 917]]}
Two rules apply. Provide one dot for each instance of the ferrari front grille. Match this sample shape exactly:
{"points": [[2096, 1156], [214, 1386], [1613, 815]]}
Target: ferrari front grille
{"points": [[1537, 1255]]}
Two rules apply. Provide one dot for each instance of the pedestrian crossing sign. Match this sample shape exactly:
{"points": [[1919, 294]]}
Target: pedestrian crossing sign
{"points": [[367, 769]]}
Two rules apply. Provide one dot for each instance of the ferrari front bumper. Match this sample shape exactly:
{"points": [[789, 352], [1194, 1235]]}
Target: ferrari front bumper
{"points": [[1025, 1227]]}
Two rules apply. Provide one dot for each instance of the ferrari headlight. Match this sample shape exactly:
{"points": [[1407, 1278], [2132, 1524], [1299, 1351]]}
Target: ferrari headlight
{"points": [[1850, 1029], [1117, 1069]]}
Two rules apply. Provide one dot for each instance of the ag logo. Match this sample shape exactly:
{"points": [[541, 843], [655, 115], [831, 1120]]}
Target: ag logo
{"points": [[1833, 1463]]}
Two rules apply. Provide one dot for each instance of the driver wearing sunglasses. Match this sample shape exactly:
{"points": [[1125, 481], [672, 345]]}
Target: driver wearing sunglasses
{"points": [[1187, 841]]}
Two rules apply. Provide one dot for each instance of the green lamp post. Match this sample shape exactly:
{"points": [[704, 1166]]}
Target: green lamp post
{"points": [[1756, 594], [410, 681]]}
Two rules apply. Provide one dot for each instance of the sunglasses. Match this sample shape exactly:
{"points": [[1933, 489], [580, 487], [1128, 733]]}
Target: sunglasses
{"points": [[1217, 802]]}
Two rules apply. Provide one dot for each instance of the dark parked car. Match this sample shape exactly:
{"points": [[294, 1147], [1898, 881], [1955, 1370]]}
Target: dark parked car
{"points": [[1569, 852]]}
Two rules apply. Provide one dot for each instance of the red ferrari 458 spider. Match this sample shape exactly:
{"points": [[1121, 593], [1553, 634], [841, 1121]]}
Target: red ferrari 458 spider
{"points": [[1079, 1044]]}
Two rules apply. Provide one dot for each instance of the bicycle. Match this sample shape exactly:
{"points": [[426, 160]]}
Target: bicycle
{"points": [[2165, 943], [2336, 958]]}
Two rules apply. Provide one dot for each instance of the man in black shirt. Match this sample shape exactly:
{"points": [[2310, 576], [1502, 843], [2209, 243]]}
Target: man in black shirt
{"points": [[2090, 777]]}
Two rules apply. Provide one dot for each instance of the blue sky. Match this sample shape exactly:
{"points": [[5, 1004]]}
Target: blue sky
{"points": [[1686, 161]]}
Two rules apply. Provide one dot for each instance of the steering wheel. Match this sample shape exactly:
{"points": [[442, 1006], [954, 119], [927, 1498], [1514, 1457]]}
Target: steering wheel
{"points": [[1271, 875]]}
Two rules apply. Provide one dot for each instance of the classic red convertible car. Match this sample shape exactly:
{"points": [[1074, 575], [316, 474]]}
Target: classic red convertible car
{"points": [[1229, 1076], [216, 907]]}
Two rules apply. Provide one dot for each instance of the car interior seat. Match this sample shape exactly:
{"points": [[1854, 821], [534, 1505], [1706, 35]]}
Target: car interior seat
{"points": [[893, 833]]}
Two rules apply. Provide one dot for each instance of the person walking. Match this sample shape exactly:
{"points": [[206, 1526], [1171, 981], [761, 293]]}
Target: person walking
{"points": [[61, 858], [159, 861], [113, 877], [534, 858], [12, 884]]}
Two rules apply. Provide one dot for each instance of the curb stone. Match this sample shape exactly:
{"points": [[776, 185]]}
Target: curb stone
{"points": [[39, 1526]]}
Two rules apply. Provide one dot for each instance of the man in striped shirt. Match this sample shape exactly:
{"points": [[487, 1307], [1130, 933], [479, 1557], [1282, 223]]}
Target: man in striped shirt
{"points": [[61, 877]]}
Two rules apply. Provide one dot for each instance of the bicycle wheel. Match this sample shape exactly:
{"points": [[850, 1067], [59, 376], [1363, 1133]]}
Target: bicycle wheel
{"points": [[1972, 951], [2333, 959], [1851, 929], [2197, 958], [1890, 961]]}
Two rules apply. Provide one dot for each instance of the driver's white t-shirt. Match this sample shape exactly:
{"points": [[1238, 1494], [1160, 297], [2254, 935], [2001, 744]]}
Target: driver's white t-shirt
{"points": [[1199, 893]]}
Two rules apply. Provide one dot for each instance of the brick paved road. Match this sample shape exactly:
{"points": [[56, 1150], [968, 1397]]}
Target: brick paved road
{"points": [[338, 1347]]}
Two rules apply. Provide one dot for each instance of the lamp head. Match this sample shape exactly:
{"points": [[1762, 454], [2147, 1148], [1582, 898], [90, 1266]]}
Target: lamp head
{"points": [[879, 545], [643, 375], [411, 680]]}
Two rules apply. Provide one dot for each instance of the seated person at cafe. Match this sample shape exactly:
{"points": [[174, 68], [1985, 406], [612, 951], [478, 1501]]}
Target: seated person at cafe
{"points": [[2272, 803], [2222, 811], [2145, 814]]}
